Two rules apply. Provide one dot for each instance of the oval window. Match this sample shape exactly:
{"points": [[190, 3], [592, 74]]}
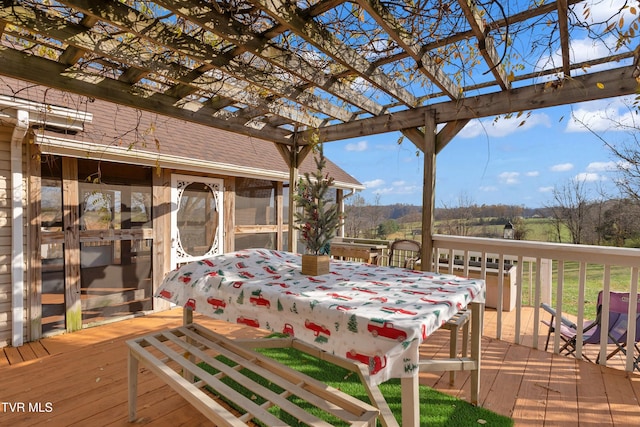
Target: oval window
{"points": [[197, 219]]}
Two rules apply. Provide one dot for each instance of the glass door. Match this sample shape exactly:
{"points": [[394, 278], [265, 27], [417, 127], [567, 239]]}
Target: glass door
{"points": [[196, 218]]}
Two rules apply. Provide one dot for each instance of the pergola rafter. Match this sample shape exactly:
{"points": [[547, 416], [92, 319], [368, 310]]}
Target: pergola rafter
{"points": [[271, 68]]}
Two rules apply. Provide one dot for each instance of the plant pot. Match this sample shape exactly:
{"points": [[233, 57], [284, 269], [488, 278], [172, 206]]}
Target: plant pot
{"points": [[315, 265]]}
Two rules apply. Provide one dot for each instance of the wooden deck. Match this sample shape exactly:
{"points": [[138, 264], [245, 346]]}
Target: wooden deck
{"points": [[81, 379]]}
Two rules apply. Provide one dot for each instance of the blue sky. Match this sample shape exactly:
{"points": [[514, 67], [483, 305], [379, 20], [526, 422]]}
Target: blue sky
{"points": [[494, 162], [501, 162]]}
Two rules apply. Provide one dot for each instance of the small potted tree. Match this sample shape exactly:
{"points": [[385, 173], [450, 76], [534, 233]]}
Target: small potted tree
{"points": [[317, 219]]}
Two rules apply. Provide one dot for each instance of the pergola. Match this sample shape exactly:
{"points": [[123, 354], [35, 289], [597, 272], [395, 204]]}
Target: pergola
{"points": [[299, 73]]}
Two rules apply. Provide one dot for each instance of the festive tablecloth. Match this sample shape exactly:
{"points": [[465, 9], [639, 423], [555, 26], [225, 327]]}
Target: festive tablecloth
{"points": [[375, 315]]}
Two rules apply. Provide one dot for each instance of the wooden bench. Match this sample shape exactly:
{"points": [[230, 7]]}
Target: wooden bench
{"points": [[234, 393]]}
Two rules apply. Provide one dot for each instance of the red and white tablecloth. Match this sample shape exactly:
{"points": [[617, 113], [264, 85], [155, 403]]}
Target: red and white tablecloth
{"points": [[376, 315]]}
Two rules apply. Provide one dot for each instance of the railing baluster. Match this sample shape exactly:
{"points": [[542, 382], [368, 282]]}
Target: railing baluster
{"points": [[559, 300], [631, 327], [536, 316], [604, 337], [500, 295], [582, 282], [519, 268]]}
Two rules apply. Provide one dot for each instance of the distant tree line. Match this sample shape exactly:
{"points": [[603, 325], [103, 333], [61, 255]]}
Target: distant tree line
{"points": [[574, 217]]}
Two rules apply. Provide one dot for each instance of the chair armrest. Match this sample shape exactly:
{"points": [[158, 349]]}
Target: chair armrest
{"points": [[552, 311]]}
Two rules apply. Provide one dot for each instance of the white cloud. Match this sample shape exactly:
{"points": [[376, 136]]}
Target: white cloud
{"points": [[504, 127], [532, 173], [357, 146], [545, 189], [388, 190], [599, 11], [408, 189], [488, 188], [601, 166], [374, 183], [589, 177], [509, 178], [562, 167], [604, 115]]}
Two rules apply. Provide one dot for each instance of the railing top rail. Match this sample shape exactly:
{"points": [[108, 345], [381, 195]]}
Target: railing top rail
{"points": [[605, 255]]}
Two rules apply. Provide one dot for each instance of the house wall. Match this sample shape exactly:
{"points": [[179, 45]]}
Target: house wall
{"points": [[6, 230], [5, 235]]}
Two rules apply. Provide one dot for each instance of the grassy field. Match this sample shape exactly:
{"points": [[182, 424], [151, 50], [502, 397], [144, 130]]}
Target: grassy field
{"points": [[537, 229], [620, 279]]}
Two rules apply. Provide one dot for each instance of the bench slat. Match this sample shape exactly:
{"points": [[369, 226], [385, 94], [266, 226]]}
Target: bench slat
{"points": [[316, 392], [185, 347], [210, 408], [232, 372]]}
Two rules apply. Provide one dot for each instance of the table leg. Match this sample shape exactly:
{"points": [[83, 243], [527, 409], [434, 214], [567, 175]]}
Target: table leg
{"points": [[477, 315], [410, 401]]}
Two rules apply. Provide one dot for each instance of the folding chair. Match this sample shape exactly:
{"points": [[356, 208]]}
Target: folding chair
{"points": [[409, 251], [591, 329]]}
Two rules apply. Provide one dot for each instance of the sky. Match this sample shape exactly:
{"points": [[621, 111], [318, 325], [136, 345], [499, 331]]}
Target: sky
{"points": [[495, 162], [503, 161]]}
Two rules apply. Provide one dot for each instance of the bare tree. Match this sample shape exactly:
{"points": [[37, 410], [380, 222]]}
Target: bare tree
{"points": [[458, 219], [569, 208], [355, 221], [520, 228], [627, 151]]}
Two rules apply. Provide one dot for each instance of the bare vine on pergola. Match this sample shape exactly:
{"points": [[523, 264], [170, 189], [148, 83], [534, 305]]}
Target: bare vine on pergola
{"points": [[333, 69]]}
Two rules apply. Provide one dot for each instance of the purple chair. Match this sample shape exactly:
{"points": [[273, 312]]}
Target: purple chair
{"points": [[617, 328]]}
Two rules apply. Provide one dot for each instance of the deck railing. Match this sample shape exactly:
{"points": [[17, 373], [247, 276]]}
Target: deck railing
{"points": [[568, 277], [542, 276]]}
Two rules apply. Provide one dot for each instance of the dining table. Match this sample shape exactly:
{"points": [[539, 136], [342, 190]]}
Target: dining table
{"points": [[363, 313]]}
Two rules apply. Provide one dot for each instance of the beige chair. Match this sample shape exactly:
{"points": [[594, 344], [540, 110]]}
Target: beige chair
{"points": [[406, 253]]}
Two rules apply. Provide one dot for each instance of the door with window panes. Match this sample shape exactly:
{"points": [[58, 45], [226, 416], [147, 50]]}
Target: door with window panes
{"points": [[96, 232], [196, 218]]}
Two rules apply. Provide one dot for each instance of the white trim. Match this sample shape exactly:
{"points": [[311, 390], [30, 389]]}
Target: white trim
{"points": [[83, 149], [175, 205], [17, 229], [44, 114]]}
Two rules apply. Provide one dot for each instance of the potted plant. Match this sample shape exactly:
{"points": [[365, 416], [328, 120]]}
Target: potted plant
{"points": [[317, 219]]}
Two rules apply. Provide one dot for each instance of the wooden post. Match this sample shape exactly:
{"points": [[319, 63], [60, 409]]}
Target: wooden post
{"points": [[293, 184], [73, 307], [34, 245], [161, 257], [428, 190]]}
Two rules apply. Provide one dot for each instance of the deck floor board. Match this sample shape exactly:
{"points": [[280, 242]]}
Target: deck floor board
{"points": [[84, 377]]}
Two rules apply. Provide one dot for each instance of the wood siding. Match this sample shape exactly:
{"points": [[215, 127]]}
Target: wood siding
{"points": [[5, 235], [6, 230]]}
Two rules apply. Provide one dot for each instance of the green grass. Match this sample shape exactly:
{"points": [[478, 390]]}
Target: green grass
{"points": [[436, 409], [620, 279]]}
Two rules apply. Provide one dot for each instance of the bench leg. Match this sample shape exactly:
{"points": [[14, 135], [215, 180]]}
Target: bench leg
{"points": [[453, 351], [133, 385], [465, 338]]}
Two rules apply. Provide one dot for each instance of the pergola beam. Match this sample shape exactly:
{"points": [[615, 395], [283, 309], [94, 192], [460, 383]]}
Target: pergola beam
{"points": [[485, 42], [563, 25], [163, 37], [589, 87], [53, 74], [401, 36], [246, 40], [289, 15]]}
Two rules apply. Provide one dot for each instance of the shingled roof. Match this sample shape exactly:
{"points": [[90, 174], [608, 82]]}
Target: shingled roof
{"points": [[115, 132]]}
